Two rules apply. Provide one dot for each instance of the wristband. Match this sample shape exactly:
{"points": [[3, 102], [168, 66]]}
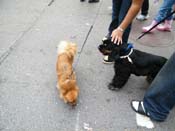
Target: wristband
{"points": [[120, 29]]}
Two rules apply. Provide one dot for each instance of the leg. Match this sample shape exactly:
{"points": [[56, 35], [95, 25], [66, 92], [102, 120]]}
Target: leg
{"points": [[144, 11], [145, 7], [116, 5], [126, 4], [118, 82], [122, 74], [120, 9], [164, 10], [153, 72], [160, 98]]}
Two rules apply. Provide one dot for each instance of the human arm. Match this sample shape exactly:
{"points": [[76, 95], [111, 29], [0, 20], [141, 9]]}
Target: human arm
{"points": [[132, 12]]}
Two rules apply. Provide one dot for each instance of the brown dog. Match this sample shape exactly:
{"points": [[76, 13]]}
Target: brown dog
{"points": [[67, 85]]}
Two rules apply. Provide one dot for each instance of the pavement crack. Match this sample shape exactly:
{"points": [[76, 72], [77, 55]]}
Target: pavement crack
{"points": [[16, 42], [81, 50], [6, 54], [51, 2], [87, 36]]}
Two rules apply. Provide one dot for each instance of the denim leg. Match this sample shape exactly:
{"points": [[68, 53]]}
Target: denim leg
{"points": [[160, 97], [126, 4], [164, 10], [120, 9], [145, 7], [116, 4], [115, 8]]}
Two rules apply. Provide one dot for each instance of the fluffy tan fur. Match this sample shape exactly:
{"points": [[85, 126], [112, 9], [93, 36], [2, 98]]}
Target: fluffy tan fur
{"points": [[67, 84]]}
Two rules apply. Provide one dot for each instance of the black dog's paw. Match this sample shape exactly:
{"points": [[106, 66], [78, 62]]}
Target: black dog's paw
{"points": [[113, 87]]}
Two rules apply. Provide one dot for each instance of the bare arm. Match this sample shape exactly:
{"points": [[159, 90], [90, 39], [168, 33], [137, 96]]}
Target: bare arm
{"points": [[132, 12]]}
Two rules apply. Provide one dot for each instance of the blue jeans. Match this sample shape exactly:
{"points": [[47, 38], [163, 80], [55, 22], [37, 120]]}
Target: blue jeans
{"points": [[164, 10], [119, 11], [160, 97]]}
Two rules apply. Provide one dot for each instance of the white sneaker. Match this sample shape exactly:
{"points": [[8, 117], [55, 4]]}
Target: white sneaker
{"points": [[142, 17]]}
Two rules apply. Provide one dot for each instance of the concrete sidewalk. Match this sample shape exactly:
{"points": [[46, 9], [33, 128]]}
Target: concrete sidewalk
{"points": [[29, 33]]}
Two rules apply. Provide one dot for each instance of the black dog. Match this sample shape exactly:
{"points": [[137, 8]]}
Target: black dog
{"points": [[130, 61]]}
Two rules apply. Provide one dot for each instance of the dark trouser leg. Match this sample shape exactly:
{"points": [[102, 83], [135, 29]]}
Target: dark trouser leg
{"points": [[120, 9], [126, 4], [160, 97], [145, 7], [116, 4]]}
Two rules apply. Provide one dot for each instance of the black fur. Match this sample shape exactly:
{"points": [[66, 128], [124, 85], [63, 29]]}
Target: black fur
{"points": [[143, 64]]}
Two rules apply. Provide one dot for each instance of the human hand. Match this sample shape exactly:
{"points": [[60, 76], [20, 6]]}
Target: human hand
{"points": [[117, 36]]}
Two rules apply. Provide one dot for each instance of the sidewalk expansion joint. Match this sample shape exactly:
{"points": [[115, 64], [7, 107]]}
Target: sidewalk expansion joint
{"points": [[17, 41], [87, 35], [51, 2]]}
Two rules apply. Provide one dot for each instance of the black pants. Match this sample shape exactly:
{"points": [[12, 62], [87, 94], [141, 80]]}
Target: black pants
{"points": [[145, 7]]}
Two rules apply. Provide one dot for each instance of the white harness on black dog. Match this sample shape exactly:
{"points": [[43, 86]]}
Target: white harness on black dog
{"points": [[127, 56]]}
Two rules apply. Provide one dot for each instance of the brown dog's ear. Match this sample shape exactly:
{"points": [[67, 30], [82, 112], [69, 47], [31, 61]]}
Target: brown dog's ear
{"points": [[72, 49]]}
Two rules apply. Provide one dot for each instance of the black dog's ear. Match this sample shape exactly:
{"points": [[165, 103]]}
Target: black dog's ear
{"points": [[106, 40]]}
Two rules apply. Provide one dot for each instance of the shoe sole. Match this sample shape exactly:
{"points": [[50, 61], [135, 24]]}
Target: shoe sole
{"points": [[137, 111], [141, 19], [94, 2], [165, 29], [105, 62]]}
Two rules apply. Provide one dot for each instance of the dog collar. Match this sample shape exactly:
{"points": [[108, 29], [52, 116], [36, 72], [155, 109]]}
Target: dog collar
{"points": [[129, 46], [127, 56]]}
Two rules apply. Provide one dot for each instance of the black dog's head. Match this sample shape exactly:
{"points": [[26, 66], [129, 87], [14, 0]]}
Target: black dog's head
{"points": [[113, 50], [106, 47]]}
